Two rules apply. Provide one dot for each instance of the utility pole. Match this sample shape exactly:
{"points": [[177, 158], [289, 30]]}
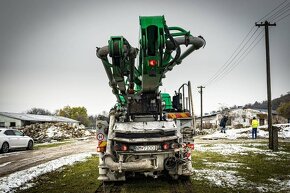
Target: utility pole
{"points": [[201, 113], [273, 136]]}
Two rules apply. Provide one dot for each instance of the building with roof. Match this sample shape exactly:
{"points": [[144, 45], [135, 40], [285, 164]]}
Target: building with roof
{"points": [[23, 119], [239, 117], [209, 120]]}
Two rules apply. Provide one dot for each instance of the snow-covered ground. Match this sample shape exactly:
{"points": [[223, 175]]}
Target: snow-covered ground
{"points": [[221, 177], [241, 149], [224, 174], [246, 133], [17, 179], [229, 178]]}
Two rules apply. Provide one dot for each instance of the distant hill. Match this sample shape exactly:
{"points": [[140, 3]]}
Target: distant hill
{"points": [[275, 103]]}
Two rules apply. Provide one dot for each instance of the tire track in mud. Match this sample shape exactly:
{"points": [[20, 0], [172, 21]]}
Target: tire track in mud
{"points": [[110, 187], [20, 160], [183, 185]]}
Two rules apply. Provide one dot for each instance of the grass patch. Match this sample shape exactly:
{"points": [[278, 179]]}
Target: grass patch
{"points": [[202, 186], [252, 170], [284, 146], [263, 167], [80, 177], [255, 168], [199, 159]]}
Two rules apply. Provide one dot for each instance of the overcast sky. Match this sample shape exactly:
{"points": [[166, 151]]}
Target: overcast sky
{"points": [[47, 51]]}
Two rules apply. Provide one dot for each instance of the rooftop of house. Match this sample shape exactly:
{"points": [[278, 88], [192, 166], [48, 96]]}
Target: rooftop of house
{"points": [[38, 118]]}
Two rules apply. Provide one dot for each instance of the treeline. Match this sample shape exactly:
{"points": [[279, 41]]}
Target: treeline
{"points": [[76, 113], [276, 103], [281, 105]]}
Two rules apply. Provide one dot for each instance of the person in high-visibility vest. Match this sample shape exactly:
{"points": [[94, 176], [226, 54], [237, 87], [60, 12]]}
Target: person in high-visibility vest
{"points": [[255, 125]]}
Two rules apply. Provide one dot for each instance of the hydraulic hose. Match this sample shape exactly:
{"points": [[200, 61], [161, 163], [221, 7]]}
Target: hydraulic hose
{"points": [[175, 45], [195, 42]]}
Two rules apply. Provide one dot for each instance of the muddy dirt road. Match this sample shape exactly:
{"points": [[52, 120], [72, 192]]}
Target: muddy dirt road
{"points": [[20, 160]]}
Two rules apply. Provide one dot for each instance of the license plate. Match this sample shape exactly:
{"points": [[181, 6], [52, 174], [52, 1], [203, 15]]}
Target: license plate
{"points": [[146, 148]]}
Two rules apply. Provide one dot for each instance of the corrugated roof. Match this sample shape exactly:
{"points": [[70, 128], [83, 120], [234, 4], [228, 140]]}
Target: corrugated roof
{"points": [[38, 118]]}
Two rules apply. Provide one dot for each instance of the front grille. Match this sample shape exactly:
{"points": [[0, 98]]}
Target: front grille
{"points": [[145, 135]]}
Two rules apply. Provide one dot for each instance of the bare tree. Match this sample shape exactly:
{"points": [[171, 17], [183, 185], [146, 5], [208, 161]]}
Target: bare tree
{"points": [[38, 111]]}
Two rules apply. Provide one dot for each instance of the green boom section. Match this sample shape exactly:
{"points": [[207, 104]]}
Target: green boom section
{"points": [[152, 41], [159, 51]]}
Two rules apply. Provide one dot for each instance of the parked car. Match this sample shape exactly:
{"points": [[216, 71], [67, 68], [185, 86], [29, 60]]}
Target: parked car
{"points": [[12, 139]]}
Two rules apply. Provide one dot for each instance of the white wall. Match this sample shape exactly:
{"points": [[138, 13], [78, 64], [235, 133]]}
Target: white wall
{"points": [[7, 121]]}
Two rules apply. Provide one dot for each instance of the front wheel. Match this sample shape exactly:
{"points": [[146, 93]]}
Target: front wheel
{"points": [[5, 147], [30, 145]]}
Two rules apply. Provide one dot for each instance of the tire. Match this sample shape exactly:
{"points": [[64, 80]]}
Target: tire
{"points": [[30, 145], [5, 147]]}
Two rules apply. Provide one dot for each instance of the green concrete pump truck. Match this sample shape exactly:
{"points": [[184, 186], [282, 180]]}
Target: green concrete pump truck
{"points": [[148, 132]]}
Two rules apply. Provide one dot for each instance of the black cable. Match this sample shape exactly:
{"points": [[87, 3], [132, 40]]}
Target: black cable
{"points": [[221, 69], [233, 65], [279, 11], [281, 14], [229, 61], [243, 56], [272, 11], [228, 66], [283, 17], [176, 46]]}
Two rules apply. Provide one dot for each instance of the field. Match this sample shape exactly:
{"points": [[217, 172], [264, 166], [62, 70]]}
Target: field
{"points": [[220, 166]]}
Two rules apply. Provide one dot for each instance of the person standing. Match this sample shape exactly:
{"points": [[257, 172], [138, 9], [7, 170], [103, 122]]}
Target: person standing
{"points": [[255, 125], [223, 124]]}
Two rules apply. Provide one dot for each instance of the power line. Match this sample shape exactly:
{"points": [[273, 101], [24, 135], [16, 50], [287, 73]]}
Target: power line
{"points": [[278, 12], [232, 57], [272, 11], [226, 66], [242, 56], [283, 17], [281, 14], [230, 64], [221, 69]]}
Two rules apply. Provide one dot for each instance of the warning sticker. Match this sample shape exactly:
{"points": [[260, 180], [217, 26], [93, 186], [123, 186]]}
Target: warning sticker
{"points": [[102, 144]]}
